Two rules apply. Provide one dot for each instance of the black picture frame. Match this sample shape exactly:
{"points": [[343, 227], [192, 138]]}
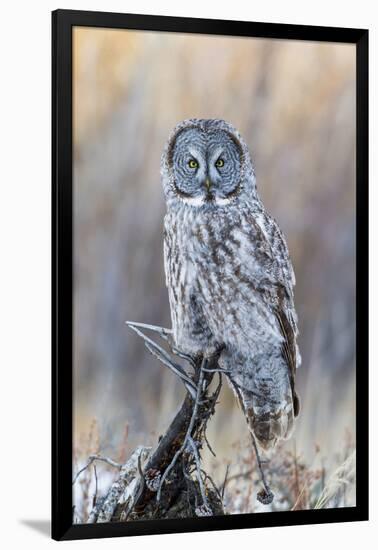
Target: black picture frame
{"points": [[62, 271]]}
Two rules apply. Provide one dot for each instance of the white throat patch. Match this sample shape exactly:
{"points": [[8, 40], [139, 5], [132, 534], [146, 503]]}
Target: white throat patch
{"points": [[200, 201]]}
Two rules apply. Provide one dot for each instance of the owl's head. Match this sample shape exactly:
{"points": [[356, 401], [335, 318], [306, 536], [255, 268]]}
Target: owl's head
{"points": [[206, 163]]}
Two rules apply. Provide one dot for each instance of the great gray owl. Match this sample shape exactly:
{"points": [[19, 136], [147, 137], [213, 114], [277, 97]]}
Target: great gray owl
{"points": [[229, 277]]}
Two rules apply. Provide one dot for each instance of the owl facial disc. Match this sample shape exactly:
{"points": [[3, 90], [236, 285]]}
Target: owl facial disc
{"points": [[206, 166]]}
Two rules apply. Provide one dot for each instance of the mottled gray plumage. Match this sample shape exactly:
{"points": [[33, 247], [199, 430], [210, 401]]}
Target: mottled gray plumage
{"points": [[228, 272]]}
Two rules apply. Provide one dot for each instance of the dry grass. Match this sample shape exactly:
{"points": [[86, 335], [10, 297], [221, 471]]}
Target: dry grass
{"points": [[297, 484]]}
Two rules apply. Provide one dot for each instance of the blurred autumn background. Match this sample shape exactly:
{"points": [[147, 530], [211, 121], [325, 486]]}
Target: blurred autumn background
{"points": [[294, 104]]}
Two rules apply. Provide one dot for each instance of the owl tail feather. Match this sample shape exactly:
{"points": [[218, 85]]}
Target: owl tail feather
{"points": [[268, 418], [270, 426], [268, 421], [266, 395]]}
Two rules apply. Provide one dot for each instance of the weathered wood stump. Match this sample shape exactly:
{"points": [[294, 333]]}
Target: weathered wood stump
{"points": [[169, 481]]}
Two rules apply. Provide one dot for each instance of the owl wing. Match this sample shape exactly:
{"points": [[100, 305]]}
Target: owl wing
{"points": [[170, 268], [283, 301], [247, 292], [279, 294]]}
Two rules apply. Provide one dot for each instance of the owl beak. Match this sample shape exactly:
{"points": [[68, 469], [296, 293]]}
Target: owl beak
{"points": [[208, 185]]}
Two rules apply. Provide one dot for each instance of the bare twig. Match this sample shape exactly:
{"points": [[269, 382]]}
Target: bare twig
{"points": [[96, 483], [91, 459], [265, 496], [140, 471], [165, 358], [189, 385], [165, 334], [208, 477], [225, 481], [184, 356], [189, 430], [193, 446], [208, 444], [224, 371]]}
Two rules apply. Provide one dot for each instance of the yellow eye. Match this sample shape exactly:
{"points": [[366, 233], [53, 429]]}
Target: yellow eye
{"points": [[219, 163], [193, 163]]}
